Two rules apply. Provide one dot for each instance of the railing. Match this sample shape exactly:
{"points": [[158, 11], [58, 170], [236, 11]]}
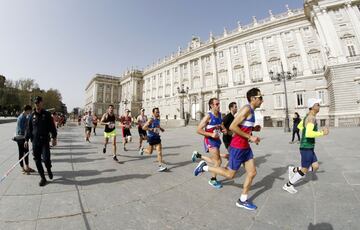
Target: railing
{"points": [[353, 58], [239, 82]]}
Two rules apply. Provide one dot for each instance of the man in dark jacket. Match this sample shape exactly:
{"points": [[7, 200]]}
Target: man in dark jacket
{"points": [[39, 127]]}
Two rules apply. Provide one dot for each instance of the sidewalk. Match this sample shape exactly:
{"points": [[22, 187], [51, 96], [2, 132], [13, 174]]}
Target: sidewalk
{"points": [[91, 191]]}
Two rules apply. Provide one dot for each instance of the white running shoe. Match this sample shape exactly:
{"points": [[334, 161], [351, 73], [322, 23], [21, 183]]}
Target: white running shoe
{"points": [[291, 172], [162, 168], [290, 189]]}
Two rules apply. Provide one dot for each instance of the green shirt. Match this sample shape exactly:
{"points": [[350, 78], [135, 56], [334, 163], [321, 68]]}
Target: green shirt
{"points": [[306, 142]]}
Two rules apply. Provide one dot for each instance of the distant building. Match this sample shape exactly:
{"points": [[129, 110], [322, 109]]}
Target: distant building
{"points": [[102, 91]]}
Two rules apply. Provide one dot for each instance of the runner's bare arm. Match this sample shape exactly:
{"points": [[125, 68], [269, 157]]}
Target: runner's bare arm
{"points": [[202, 125], [103, 119], [146, 126]]}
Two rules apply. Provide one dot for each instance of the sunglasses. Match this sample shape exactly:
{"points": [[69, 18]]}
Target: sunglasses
{"points": [[217, 104], [260, 97]]}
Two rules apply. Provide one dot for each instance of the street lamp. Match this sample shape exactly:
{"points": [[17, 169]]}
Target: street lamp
{"points": [[125, 102], [182, 91], [283, 76]]}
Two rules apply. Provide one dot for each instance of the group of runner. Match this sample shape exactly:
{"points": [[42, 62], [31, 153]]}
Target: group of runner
{"points": [[238, 133], [237, 128], [148, 129]]}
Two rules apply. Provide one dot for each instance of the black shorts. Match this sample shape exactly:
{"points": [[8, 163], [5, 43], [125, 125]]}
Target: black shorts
{"points": [[88, 129], [126, 132], [154, 141], [142, 133]]}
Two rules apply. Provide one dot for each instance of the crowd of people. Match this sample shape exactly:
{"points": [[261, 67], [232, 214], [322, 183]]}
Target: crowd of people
{"points": [[238, 129]]}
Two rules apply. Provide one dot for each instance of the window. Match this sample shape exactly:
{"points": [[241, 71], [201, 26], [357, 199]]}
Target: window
{"points": [[279, 101], [235, 50], [315, 61], [221, 54], [223, 78], [299, 99], [350, 45], [321, 96], [288, 36], [167, 72], [195, 63], [208, 81], [207, 59], [338, 14], [251, 46], [270, 41], [307, 31], [196, 83], [223, 106], [175, 69], [274, 66], [255, 73], [184, 66], [239, 75]]}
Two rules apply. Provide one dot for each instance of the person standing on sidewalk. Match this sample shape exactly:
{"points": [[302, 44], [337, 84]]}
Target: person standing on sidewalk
{"points": [[109, 119], [309, 161], [21, 124], [239, 150], [39, 127], [295, 130]]}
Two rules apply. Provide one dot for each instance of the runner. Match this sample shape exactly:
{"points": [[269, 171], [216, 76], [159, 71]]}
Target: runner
{"points": [[309, 160], [95, 122], [153, 128], [228, 119], [88, 120], [212, 123], [239, 150], [125, 124], [109, 119], [141, 121]]}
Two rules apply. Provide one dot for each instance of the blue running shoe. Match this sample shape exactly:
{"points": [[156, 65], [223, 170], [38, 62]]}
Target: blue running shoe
{"points": [[247, 205], [193, 156], [199, 168], [215, 184]]}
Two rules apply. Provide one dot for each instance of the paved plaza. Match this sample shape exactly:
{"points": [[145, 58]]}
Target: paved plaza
{"points": [[91, 191]]}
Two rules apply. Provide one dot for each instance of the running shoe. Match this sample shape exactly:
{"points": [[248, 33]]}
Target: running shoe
{"points": [[199, 168], [246, 204], [104, 150], [291, 172], [141, 151], [215, 184], [115, 158], [162, 168], [193, 156], [290, 189]]}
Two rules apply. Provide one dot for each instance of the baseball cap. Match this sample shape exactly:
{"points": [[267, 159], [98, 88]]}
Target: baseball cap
{"points": [[37, 99], [312, 101]]}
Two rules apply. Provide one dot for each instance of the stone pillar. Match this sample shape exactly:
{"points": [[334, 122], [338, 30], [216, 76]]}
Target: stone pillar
{"points": [[214, 67], [303, 54], [164, 84], [265, 70], [229, 67], [354, 19], [246, 64], [112, 94], [189, 75], [201, 72], [172, 81], [282, 53]]}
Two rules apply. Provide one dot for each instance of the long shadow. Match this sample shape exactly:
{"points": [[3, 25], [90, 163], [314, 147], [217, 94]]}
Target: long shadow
{"points": [[70, 153], [77, 160], [100, 180], [265, 184], [72, 147], [145, 156], [258, 161], [175, 147], [320, 226]]}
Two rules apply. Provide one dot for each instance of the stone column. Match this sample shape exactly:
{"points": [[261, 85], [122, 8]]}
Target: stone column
{"points": [[265, 70], [201, 72], [172, 81], [246, 64], [354, 19], [282, 53], [214, 67], [229, 67], [303, 54]]}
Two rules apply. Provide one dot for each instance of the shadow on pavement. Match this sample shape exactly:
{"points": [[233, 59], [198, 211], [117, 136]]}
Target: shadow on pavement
{"points": [[320, 226], [175, 147], [77, 160]]}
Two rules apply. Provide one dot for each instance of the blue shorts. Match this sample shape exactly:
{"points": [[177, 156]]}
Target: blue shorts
{"points": [[238, 156], [211, 143], [308, 157]]}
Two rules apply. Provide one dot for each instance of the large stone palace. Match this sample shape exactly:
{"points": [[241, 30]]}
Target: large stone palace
{"points": [[299, 54]]}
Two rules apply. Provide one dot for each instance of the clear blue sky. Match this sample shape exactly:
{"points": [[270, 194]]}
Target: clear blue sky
{"points": [[62, 44]]}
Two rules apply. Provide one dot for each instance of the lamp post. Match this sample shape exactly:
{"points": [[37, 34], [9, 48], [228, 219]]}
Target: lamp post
{"points": [[182, 92], [125, 102], [283, 76]]}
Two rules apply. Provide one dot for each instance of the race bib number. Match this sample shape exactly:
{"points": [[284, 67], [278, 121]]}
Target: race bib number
{"points": [[111, 125]]}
